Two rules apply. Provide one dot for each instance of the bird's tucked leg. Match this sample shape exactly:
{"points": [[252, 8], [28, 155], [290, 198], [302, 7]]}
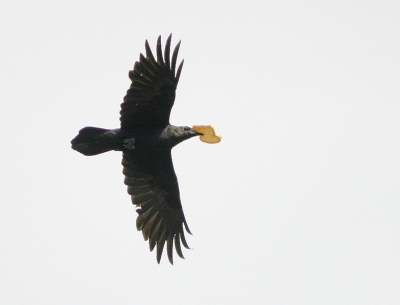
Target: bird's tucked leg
{"points": [[129, 143], [139, 210]]}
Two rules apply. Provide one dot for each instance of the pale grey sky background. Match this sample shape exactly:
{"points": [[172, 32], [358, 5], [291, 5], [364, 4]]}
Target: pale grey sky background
{"points": [[299, 203]]}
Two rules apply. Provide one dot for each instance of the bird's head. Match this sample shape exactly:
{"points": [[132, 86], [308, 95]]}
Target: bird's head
{"points": [[176, 134], [188, 131]]}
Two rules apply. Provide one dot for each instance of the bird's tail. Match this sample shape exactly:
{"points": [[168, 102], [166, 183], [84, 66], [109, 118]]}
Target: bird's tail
{"points": [[93, 141]]}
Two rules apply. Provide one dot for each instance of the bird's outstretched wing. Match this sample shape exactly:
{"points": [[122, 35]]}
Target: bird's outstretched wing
{"points": [[151, 96], [153, 185]]}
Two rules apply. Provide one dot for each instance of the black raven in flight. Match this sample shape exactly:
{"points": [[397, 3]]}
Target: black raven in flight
{"points": [[146, 138]]}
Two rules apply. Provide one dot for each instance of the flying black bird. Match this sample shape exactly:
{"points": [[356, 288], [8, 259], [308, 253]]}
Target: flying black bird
{"points": [[146, 138]]}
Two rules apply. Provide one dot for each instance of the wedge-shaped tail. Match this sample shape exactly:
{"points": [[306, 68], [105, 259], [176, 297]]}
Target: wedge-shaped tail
{"points": [[93, 141]]}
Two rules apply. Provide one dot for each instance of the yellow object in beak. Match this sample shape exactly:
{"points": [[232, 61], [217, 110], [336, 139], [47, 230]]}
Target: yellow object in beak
{"points": [[209, 134]]}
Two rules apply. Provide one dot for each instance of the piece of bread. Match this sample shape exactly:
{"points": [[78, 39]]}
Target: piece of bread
{"points": [[209, 134]]}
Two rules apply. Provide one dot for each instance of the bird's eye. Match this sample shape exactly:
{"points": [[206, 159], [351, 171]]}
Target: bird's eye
{"points": [[186, 128]]}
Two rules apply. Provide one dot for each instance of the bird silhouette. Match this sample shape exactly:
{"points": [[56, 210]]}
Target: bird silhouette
{"points": [[146, 138]]}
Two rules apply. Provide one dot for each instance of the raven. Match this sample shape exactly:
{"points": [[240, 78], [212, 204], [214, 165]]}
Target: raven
{"points": [[146, 138]]}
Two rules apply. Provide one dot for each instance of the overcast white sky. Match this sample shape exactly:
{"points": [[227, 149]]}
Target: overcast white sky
{"points": [[299, 203]]}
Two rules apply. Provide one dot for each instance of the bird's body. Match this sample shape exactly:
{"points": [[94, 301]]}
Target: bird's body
{"points": [[146, 138], [93, 140]]}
